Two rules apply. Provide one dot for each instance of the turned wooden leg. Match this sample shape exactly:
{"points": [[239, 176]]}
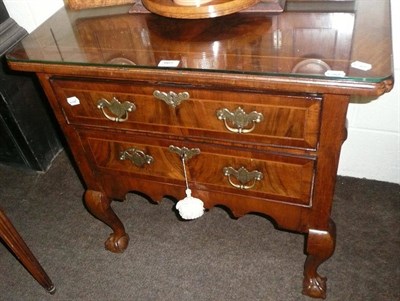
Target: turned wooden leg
{"points": [[100, 206], [14, 241], [320, 246]]}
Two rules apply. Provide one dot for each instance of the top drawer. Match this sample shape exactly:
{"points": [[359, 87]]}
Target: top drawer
{"points": [[245, 117]]}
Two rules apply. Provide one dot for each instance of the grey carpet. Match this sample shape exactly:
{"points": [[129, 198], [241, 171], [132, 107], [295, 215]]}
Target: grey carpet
{"points": [[214, 258]]}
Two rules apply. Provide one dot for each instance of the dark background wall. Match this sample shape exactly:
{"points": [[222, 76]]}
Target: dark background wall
{"points": [[28, 135]]}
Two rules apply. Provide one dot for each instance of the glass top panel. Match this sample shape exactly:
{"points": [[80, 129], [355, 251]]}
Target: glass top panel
{"points": [[353, 44]]}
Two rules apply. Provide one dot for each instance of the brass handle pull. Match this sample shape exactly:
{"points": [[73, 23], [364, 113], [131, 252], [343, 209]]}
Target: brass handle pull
{"points": [[243, 176], [240, 120], [184, 152], [171, 98], [137, 157], [119, 110]]}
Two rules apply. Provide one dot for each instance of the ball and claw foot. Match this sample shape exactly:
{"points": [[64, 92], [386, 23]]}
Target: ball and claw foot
{"points": [[117, 244], [100, 206], [315, 287], [320, 247]]}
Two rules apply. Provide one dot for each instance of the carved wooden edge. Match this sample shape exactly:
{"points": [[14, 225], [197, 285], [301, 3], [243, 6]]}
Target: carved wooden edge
{"points": [[387, 85], [262, 83]]}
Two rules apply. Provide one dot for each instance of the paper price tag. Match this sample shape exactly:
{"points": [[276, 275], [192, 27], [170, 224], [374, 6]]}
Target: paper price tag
{"points": [[168, 63], [335, 73], [361, 65], [73, 101]]}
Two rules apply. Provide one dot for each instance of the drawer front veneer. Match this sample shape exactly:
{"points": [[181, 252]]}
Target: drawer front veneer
{"points": [[220, 115], [273, 177]]}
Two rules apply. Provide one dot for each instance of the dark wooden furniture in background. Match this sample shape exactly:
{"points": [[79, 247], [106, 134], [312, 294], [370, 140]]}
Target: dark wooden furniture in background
{"points": [[17, 245], [259, 100], [28, 135]]}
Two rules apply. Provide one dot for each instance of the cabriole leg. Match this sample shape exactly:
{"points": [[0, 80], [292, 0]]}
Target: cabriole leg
{"points": [[320, 246], [100, 206]]}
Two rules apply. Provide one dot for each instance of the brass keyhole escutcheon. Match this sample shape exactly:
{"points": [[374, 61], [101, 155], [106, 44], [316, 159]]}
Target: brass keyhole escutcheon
{"points": [[171, 98], [184, 152]]}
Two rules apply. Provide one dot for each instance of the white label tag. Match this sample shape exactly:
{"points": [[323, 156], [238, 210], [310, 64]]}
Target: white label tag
{"points": [[335, 73], [361, 65], [168, 63], [73, 101]]}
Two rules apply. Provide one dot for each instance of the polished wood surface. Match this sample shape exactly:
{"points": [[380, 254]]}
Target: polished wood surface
{"points": [[250, 91], [17, 245]]}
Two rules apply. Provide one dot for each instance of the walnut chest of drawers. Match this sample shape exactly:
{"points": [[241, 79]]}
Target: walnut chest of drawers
{"points": [[250, 107]]}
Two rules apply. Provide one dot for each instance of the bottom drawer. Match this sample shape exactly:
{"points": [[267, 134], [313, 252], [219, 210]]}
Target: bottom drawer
{"points": [[273, 177]]}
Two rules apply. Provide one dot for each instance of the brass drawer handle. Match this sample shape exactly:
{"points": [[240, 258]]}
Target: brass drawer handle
{"points": [[243, 176], [171, 98], [240, 120], [119, 110], [184, 152], [137, 157]]}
